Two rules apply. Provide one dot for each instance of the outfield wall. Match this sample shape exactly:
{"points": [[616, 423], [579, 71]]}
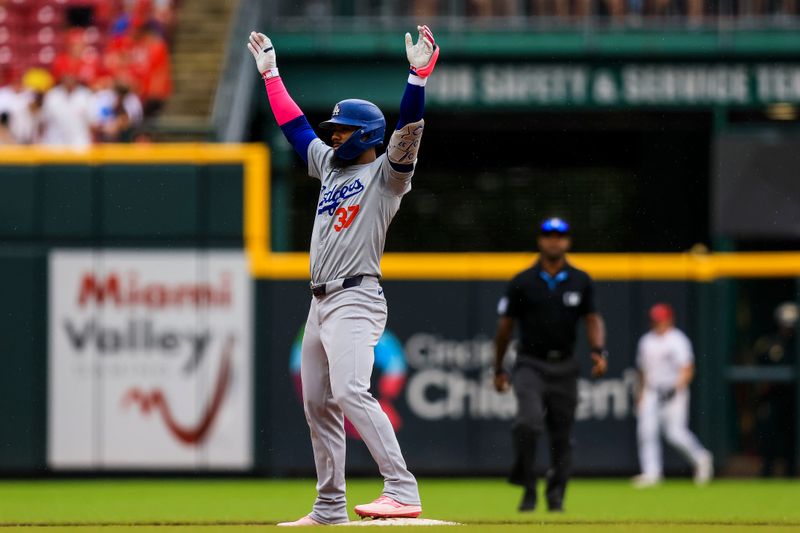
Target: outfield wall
{"points": [[434, 378], [148, 326]]}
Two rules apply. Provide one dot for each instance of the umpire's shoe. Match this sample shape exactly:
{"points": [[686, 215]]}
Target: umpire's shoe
{"points": [[555, 494], [555, 506], [555, 500], [528, 502]]}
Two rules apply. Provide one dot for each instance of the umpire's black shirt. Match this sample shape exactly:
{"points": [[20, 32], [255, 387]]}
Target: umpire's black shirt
{"points": [[548, 308]]}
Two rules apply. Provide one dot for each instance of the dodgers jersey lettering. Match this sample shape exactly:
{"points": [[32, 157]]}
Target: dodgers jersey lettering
{"points": [[356, 205]]}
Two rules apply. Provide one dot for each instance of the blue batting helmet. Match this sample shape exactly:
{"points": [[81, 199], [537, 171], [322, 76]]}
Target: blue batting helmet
{"points": [[364, 115]]}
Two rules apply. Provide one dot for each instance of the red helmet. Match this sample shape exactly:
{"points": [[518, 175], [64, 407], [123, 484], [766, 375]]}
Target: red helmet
{"points": [[661, 312]]}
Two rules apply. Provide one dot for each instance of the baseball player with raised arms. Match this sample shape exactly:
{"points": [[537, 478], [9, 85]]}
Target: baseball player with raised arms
{"points": [[665, 363], [360, 194]]}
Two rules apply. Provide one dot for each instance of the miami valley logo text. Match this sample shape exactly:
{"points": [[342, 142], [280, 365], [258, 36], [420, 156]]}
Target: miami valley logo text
{"points": [[143, 338], [163, 341]]}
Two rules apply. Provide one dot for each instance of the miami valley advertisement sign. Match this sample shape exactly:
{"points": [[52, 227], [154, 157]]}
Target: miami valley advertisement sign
{"points": [[150, 358]]}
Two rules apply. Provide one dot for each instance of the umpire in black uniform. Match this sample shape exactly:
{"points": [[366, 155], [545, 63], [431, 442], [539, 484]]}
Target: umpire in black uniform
{"points": [[547, 300]]}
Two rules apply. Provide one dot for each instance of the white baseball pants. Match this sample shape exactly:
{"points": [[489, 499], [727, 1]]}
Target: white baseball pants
{"points": [[671, 416]]}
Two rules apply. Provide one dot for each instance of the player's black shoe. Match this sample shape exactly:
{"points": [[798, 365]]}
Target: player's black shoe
{"points": [[528, 502]]}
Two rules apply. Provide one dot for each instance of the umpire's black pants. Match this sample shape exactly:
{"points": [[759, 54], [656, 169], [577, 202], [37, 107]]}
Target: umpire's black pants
{"points": [[546, 397]]}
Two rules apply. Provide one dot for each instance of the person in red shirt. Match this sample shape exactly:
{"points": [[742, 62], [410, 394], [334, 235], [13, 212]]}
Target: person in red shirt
{"points": [[150, 66], [141, 57], [83, 62], [116, 58]]}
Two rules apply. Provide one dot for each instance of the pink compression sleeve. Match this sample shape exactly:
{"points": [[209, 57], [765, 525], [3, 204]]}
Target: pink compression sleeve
{"points": [[283, 107]]}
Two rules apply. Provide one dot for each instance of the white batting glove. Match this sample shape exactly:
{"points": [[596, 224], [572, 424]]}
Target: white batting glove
{"points": [[264, 53], [423, 55]]}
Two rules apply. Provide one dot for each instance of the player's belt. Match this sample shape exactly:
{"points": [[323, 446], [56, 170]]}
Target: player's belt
{"points": [[335, 286]]}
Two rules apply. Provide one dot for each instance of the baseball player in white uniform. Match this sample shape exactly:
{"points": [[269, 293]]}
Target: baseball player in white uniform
{"points": [[666, 367], [360, 194]]}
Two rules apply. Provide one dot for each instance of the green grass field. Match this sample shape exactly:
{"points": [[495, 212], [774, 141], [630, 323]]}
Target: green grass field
{"points": [[480, 504]]}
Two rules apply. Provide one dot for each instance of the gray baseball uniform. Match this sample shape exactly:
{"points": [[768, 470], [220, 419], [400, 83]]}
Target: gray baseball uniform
{"points": [[356, 205]]}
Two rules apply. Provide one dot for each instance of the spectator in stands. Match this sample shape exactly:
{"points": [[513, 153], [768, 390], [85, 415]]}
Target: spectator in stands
{"points": [[141, 56], [561, 8], [70, 114], [105, 13], [78, 59], [615, 9], [493, 8], [117, 56], [766, 7], [26, 119], [9, 91], [143, 12], [693, 9], [5, 118], [67, 112], [150, 67], [164, 16], [424, 9], [116, 111], [6, 137]]}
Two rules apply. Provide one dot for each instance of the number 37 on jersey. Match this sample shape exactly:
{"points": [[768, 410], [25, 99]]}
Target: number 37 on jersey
{"points": [[344, 217]]}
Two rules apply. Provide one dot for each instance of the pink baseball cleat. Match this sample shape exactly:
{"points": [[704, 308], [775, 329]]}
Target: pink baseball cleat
{"points": [[305, 521], [385, 507]]}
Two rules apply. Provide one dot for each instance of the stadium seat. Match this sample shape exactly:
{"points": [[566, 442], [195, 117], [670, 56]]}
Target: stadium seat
{"points": [[19, 5], [45, 35], [10, 17], [6, 55], [44, 56], [49, 14]]}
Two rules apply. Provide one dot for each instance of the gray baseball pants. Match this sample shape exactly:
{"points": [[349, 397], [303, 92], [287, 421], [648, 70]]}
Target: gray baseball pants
{"points": [[337, 357]]}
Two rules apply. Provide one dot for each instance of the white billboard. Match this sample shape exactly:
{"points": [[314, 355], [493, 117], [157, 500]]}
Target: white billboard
{"points": [[150, 358]]}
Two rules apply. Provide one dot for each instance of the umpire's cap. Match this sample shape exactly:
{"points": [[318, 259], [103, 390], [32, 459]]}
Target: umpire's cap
{"points": [[363, 115], [554, 226]]}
